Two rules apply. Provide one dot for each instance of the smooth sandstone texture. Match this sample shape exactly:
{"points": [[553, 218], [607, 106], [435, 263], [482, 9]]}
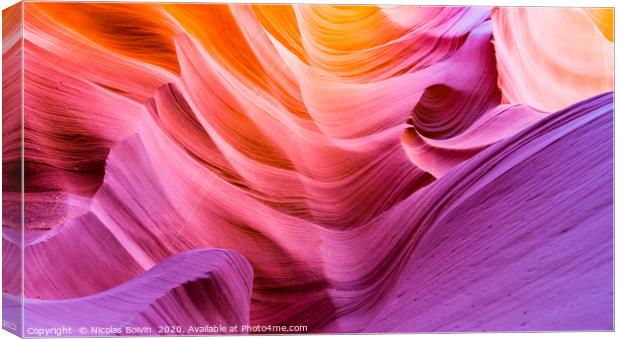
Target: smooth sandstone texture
{"points": [[344, 168]]}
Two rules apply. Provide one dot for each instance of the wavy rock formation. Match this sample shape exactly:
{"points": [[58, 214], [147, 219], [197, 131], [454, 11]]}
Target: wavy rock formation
{"points": [[342, 168]]}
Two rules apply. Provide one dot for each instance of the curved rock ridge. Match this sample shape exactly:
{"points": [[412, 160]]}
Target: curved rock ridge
{"points": [[195, 287]]}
